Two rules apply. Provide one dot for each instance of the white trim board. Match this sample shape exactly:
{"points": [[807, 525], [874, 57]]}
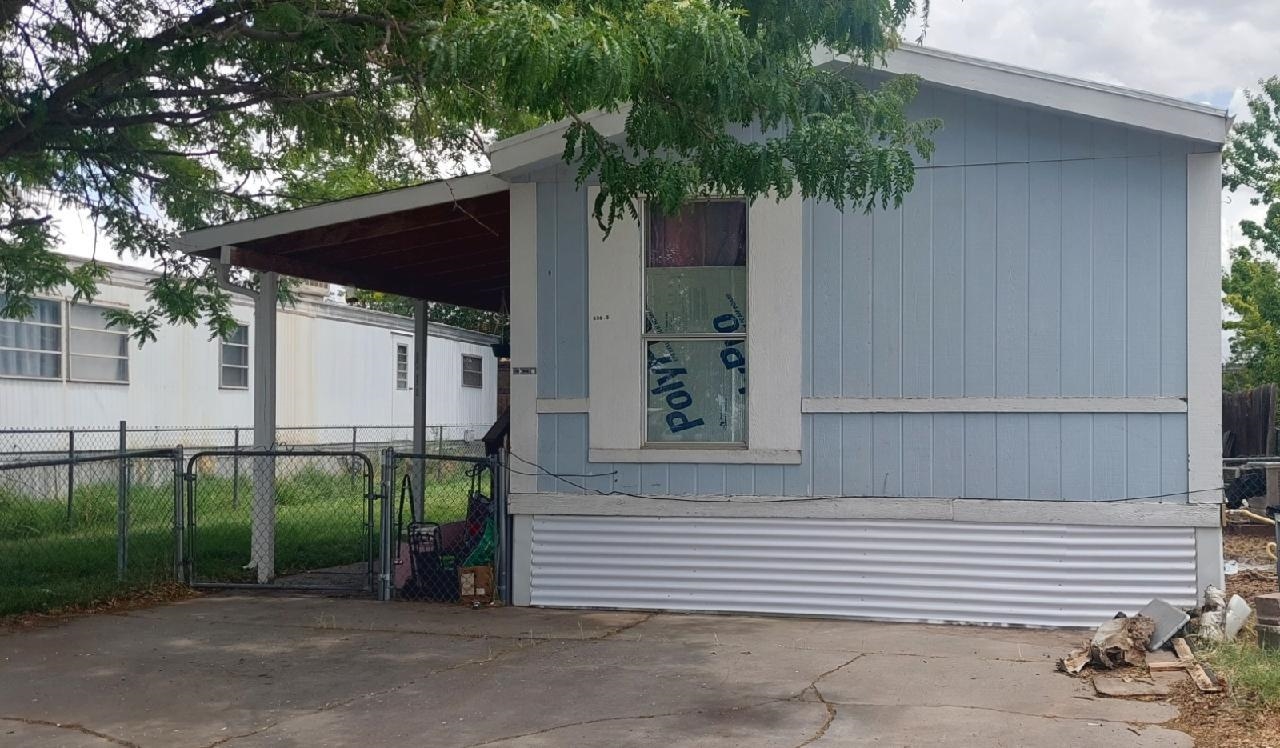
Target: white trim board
{"points": [[1124, 106], [994, 405], [698, 455], [564, 405], [1110, 514], [341, 211], [1204, 324]]}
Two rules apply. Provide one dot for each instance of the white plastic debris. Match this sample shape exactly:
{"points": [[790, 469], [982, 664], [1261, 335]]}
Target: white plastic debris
{"points": [[1238, 612]]}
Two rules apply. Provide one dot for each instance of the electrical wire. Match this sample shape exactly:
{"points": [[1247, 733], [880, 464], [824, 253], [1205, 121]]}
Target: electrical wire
{"points": [[564, 478]]}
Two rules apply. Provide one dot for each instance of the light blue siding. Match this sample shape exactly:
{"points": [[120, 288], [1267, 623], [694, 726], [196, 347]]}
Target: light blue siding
{"points": [[1050, 456], [1039, 255], [562, 277]]}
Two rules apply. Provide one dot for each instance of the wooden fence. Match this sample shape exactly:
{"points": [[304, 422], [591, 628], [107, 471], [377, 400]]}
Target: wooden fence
{"points": [[1249, 422]]}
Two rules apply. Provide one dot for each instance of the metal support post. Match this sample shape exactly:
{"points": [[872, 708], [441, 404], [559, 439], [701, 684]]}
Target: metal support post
{"points": [[420, 337], [122, 507], [179, 557], [71, 471], [235, 470], [262, 517], [386, 536], [497, 488]]}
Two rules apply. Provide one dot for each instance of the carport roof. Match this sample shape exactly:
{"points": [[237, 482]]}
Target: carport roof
{"points": [[444, 241]]}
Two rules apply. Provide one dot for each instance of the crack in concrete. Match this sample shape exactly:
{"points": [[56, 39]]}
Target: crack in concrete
{"points": [[627, 627], [830, 707], [1014, 712], [71, 726]]}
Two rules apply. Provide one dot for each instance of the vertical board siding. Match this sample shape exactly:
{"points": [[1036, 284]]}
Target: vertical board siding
{"points": [[1048, 456], [1047, 258], [1038, 255]]}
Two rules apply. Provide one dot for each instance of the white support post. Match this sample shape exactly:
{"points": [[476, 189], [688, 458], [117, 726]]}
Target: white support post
{"points": [[263, 511], [1204, 327], [420, 333], [524, 375]]}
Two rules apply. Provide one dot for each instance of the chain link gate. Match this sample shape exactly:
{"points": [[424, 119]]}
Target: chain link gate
{"points": [[445, 528], [282, 519]]}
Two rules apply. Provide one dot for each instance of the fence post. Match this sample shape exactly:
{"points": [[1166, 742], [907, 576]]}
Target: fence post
{"points": [[235, 470], [386, 540], [71, 472], [497, 489], [122, 507], [179, 567]]}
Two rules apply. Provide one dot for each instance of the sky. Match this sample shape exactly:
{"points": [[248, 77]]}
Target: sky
{"points": [[1206, 51]]}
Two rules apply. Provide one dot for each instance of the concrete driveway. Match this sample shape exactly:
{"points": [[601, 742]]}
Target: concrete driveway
{"points": [[273, 671]]}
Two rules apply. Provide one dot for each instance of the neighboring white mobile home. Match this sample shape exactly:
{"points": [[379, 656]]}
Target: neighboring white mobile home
{"points": [[338, 365]]}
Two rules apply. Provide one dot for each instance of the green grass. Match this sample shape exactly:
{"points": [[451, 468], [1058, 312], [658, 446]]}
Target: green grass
{"points": [[48, 561], [1254, 673]]}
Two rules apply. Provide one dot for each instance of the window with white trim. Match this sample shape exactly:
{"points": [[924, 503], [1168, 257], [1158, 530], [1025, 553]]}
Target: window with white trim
{"points": [[234, 360], [95, 352], [31, 348], [695, 324], [402, 366], [472, 371]]}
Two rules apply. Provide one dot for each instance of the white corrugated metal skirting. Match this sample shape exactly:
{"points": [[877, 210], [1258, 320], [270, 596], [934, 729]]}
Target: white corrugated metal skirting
{"points": [[1021, 574]]}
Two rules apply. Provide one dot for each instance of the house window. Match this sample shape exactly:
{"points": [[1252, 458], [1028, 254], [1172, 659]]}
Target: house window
{"points": [[695, 324], [96, 352], [234, 365], [32, 347], [402, 366], [472, 371]]}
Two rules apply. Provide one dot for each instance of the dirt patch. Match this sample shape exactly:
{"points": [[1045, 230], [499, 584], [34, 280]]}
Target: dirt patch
{"points": [[152, 596], [1247, 548], [1217, 719], [1251, 583]]}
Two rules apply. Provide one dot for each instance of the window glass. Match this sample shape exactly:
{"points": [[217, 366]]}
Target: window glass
{"points": [[98, 353], [32, 347], [472, 371], [697, 391], [695, 323], [233, 372], [402, 366]]}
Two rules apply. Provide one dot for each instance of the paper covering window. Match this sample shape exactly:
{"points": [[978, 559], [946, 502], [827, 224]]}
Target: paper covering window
{"points": [[695, 324]]}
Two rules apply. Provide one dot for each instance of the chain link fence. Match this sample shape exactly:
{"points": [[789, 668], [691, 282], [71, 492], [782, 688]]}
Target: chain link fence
{"points": [[289, 519], [84, 529], [448, 530], [109, 531]]}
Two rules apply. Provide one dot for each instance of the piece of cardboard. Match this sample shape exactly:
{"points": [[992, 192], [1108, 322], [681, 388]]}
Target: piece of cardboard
{"points": [[475, 584]]}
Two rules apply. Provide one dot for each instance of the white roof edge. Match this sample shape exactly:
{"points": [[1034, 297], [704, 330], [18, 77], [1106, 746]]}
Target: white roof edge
{"points": [[340, 211], [1124, 106], [1071, 95]]}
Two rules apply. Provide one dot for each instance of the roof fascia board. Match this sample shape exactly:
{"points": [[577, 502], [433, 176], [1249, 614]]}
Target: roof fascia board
{"points": [[1100, 101], [339, 211], [547, 141]]}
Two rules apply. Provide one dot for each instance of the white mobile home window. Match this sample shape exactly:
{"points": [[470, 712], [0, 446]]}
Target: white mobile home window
{"points": [[472, 371], [96, 353], [695, 324], [234, 360], [402, 366], [31, 348]]}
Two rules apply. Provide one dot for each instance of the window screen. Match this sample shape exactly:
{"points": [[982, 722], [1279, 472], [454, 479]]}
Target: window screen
{"points": [[472, 371], [32, 347], [96, 353], [234, 363], [402, 366]]}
